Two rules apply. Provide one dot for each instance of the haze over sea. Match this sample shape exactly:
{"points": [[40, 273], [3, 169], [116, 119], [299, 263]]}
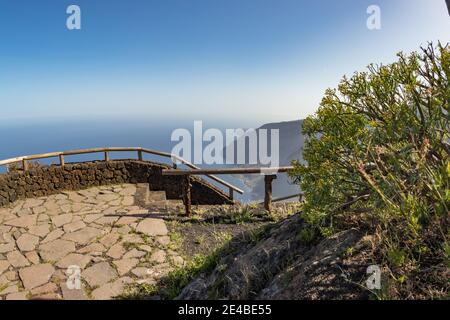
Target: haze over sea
{"points": [[18, 138]]}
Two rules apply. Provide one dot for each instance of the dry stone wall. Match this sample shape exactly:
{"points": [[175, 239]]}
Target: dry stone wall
{"points": [[48, 180]]}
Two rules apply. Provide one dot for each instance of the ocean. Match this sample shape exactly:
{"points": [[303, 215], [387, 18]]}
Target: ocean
{"points": [[34, 137]]}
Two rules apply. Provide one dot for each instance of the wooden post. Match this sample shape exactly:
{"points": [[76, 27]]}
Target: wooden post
{"points": [[231, 194], [140, 155], [24, 165], [187, 194], [106, 156], [268, 191], [61, 160]]}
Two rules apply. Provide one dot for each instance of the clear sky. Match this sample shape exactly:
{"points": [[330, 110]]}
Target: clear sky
{"points": [[262, 59]]}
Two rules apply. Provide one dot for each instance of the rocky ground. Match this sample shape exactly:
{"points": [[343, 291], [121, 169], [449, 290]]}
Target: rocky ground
{"points": [[112, 242], [276, 263], [124, 241]]}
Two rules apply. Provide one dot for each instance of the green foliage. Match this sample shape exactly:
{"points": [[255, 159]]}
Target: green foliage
{"points": [[307, 235], [245, 215], [179, 278], [141, 291], [176, 240], [378, 149]]}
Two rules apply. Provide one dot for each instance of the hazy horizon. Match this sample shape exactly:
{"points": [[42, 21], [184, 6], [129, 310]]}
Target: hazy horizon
{"points": [[255, 60]]}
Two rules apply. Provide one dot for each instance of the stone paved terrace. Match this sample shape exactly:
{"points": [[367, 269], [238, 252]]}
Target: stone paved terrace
{"points": [[101, 230]]}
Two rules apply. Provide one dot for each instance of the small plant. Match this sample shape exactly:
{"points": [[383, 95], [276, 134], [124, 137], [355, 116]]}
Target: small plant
{"points": [[245, 215], [307, 235], [200, 239], [179, 278], [176, 240], [137, 292], [222, 237], [396, 257]]}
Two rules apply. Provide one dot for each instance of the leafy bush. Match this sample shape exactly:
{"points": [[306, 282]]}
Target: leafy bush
{"points": [[377, 156]]}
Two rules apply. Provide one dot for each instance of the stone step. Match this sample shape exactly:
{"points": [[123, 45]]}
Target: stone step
{"points": [[164, 205], [142, 192], [156, 196]]}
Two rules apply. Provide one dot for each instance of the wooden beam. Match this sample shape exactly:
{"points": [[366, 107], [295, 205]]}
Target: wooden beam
{"points": [[231, 193], [187, 194], [297, 195], [23, 159], [24, 165], [261, 170], [61, 160], [268, 191]]}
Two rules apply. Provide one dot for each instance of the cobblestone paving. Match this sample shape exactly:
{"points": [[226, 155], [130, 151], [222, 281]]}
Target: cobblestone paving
{"points": [[97, 235]]}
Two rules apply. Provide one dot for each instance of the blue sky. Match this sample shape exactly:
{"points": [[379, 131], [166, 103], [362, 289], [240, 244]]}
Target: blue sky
{"points": [[264, 59]]}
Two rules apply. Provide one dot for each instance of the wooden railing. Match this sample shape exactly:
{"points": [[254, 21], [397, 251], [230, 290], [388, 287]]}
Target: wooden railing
{"points": [[269, 175], [140, 152]]}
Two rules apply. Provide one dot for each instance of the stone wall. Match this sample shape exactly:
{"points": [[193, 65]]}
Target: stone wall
{"points": [[44, 181]]}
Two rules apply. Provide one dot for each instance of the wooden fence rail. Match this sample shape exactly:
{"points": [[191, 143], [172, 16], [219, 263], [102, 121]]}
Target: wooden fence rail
{"points": [[106, 151], [270, 174]]}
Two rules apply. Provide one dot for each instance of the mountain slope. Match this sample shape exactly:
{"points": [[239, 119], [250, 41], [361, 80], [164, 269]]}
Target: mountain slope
{"points": [[290, 148]]}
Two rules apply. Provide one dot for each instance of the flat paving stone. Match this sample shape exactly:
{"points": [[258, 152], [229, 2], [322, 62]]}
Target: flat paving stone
{"points": [[152, 227], [27, 242], [8, 247], [134, 253], [40, 230], [74, 259], [39, 210], [47, 296], [111, 290], [93, 229], [140, 272], [94, 249], [55, 250], [31, 203], [55, 234], [49, 287], [17, 260], [107, 220], [116, 251], [125, 265], [33, 257], [74, 226], [132, 238], [22, 222], [73, 294], [163, 240], [99, 274], [36, 275], [62, 219], [110, 239], [83, 236], [92, 217], [11, 275], [126, 221], [12, 288], [17, 296], [4, 265], [159, 256]]}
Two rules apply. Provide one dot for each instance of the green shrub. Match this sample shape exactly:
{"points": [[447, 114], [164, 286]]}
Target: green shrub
{"points": [[377, 155]]}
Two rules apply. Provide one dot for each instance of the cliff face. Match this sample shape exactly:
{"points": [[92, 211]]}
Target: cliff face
{"points": [[290, 148], [279, 266]]}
